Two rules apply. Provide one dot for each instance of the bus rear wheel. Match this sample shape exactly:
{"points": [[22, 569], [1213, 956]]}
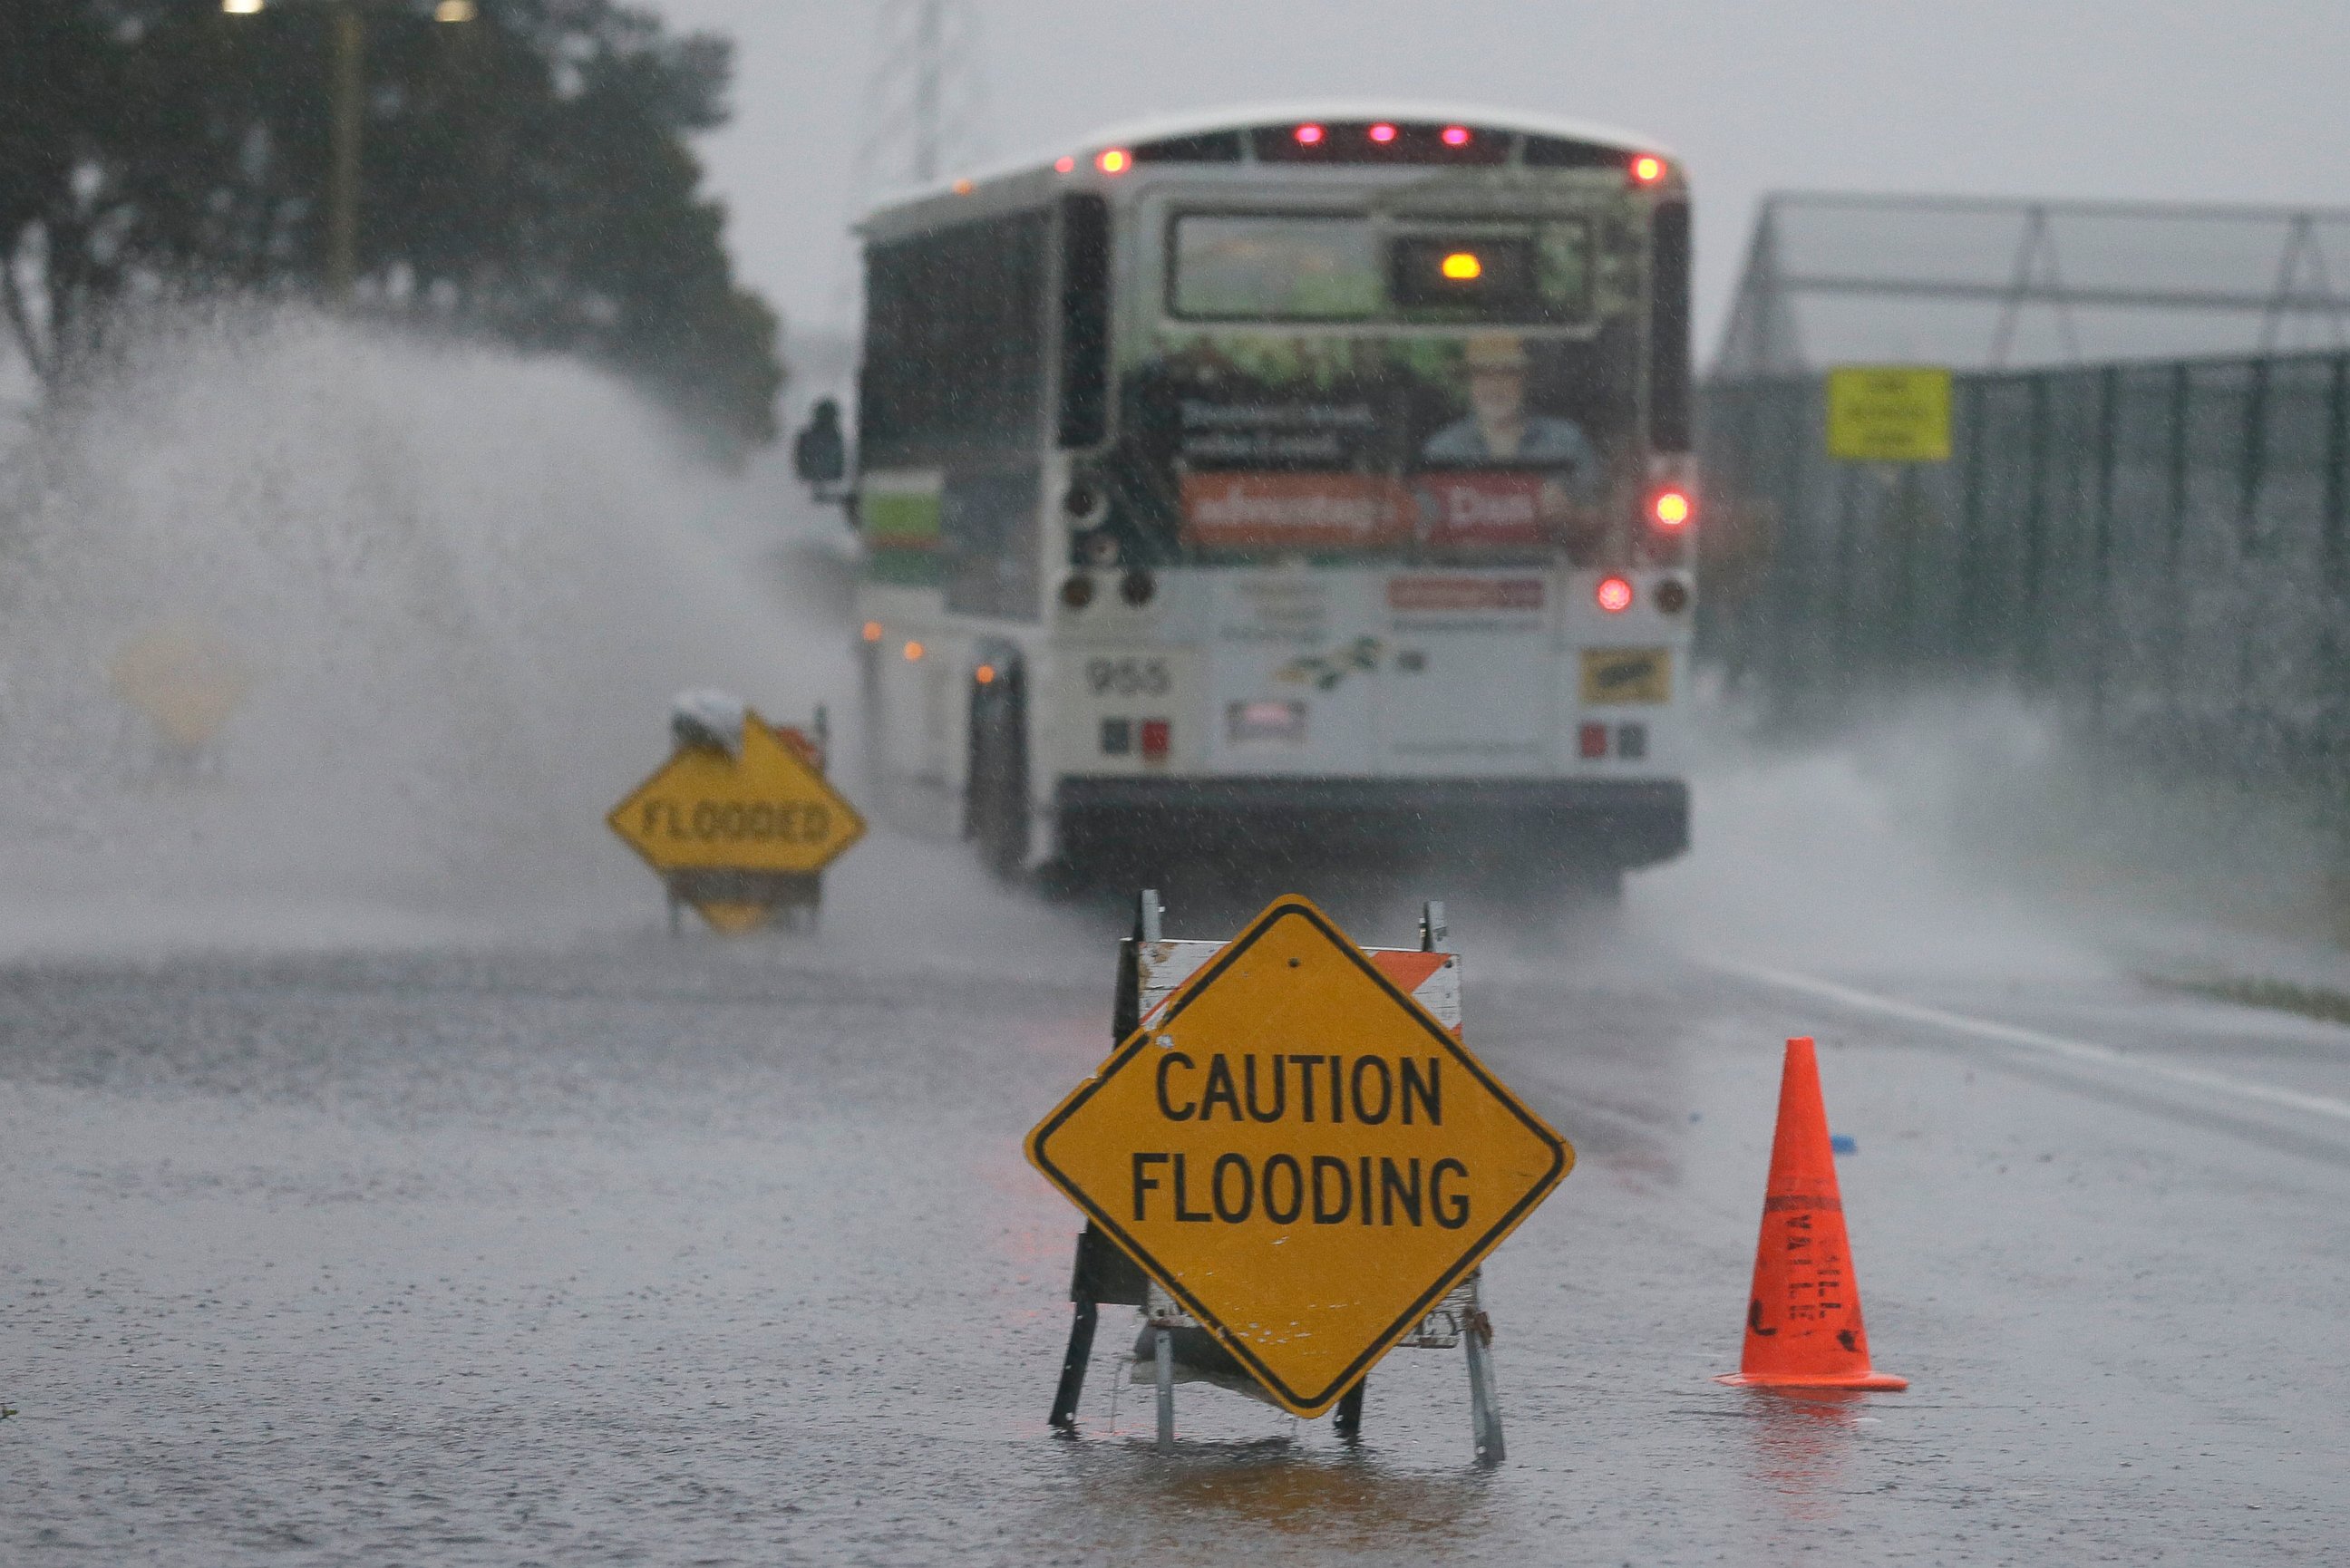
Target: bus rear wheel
{"points": [[995, 787]]}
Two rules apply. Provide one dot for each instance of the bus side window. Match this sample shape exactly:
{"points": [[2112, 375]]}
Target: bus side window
{"points": [[1084, 320], [1668, 328]]}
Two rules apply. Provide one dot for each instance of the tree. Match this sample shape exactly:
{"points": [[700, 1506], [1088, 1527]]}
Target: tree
{"points": [[50, 93], [526, 174]]}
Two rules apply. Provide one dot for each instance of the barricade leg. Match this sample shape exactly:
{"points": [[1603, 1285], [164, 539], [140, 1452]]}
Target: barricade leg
{"points": [[1348, 1422], [1166, 1349], [1073, 1368], [1484, 1413]]}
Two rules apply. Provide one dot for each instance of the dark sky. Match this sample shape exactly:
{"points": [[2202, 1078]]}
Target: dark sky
{"points": [[2070, 98]]}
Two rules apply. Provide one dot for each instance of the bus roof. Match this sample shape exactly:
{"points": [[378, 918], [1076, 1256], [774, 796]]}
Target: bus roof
{"points": [[1244, 116]]}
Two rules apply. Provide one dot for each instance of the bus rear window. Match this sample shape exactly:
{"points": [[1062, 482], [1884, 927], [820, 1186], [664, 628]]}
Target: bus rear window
{"points": [[1276, 268]]}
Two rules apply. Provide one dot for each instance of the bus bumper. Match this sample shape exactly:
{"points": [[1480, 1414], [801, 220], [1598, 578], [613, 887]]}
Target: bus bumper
{"points": [[1525, 824]]}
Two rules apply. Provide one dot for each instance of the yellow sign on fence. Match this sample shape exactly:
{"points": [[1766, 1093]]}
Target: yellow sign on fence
{"points": [[1890, 413], [1300, 1154]]}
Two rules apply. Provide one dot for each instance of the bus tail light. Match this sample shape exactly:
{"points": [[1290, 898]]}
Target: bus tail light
{"points": [[1648, 169], [1308, 135], [1614, 594], [1114, 161], [1671, 508]]}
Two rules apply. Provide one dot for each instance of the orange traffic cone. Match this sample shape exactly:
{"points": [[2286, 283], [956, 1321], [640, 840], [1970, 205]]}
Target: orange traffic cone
{"points": [[1803, 1321]]}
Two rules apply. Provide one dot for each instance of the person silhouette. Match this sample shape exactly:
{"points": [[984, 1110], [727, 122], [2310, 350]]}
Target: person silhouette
{"points": [[1498, 430]]}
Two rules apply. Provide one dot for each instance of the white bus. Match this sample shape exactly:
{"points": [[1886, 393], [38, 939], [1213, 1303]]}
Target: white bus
{"points": [[1285, 489]]}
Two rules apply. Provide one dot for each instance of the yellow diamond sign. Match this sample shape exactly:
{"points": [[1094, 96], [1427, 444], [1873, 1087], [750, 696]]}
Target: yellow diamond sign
{"points": [[1300, 1154], [766, 811]]}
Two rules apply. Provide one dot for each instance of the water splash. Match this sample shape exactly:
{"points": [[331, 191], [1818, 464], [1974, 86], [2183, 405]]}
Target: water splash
{"points": [[462, 585]]}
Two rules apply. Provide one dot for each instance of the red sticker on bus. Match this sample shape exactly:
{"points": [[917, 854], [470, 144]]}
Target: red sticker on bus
{"points": [[1294, 511], [1491, 509]]}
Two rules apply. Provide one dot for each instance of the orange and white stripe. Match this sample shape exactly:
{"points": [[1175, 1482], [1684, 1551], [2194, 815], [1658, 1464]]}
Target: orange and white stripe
{"points": [[1432, 979]]}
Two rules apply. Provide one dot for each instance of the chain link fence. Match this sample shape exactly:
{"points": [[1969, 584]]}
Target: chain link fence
{"points": [[2159, 549]]}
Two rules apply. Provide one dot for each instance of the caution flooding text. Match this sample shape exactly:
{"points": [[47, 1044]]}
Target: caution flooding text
{"points": [[1299, 1088]]}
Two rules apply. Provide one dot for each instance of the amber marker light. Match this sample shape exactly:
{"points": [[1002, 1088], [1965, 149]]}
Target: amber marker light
{"points": [[984, 675], [1614, 595], [872, 631], [914, 649], [1648, 169], [1464, 266], [1116, 161]]}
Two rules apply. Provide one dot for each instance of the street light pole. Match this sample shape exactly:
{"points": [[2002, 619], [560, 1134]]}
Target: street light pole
{"points": [[347, 96], [350, 85]]}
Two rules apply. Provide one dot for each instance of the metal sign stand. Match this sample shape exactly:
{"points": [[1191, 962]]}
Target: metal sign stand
{"points": [[1105, 1276]]}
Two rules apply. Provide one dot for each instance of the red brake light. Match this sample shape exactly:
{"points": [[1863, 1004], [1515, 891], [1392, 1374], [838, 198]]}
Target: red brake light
{"points": [[1670, 509], [1648, 169], [1614, 595], [1309, 135], [1065, 165], [1383, 132], [1456, 136], [1116, 161]]}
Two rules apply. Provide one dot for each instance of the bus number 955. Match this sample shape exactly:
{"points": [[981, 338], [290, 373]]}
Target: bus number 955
{"points": [[1127, 677]]}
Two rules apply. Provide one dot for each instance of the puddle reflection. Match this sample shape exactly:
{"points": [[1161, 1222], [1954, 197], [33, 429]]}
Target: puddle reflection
{"points": [[1803, 1443], [1345, 1501]]}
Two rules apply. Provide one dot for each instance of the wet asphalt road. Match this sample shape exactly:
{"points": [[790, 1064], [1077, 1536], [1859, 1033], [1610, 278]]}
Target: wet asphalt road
{"points": [[627, 1250]]}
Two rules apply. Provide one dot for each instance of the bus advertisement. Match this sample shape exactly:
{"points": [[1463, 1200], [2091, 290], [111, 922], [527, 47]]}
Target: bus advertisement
{"points": [[1287, 489]]}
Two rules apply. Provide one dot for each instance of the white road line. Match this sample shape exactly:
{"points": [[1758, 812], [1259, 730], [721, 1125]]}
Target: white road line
{"points": [[2033, 1040]]}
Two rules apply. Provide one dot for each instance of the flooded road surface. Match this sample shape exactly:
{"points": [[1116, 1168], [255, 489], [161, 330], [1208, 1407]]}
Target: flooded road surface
{"points": [[634, 1251]]}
